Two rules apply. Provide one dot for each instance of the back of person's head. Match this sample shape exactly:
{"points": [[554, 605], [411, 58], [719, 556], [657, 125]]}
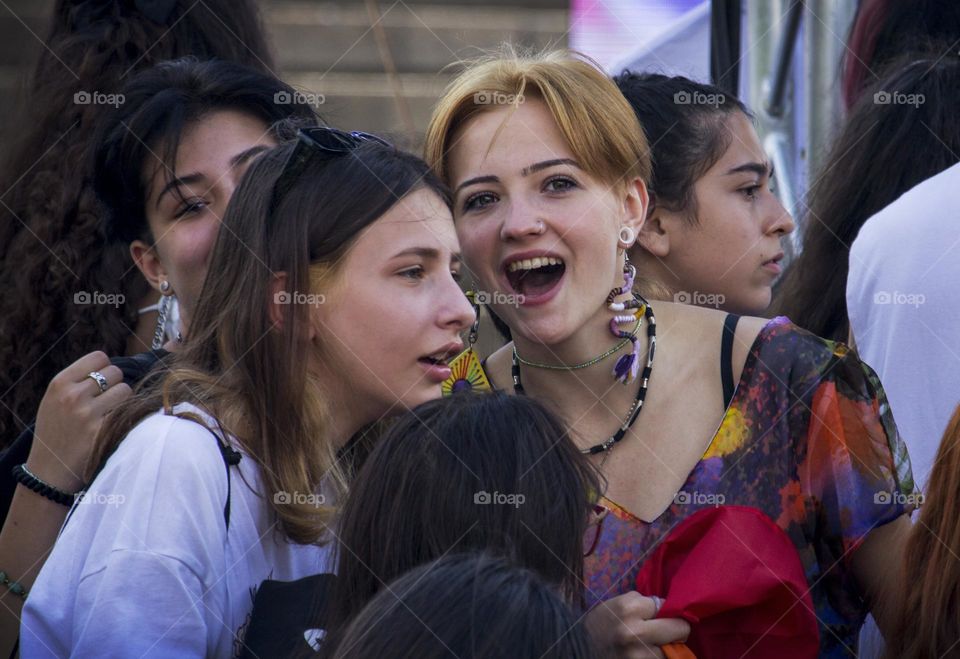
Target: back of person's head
{"points": [[160, 105], [472, 606], [883, 31], [902, 131], [686, 126], [249, 367], [468, 472], [929, 585], [51, 237]]}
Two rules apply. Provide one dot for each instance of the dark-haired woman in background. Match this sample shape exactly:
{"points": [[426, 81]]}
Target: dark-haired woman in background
{"points": [[52, 240], [902, 131], [714, 227], [472, 606], [208, 120], [286, 361]]}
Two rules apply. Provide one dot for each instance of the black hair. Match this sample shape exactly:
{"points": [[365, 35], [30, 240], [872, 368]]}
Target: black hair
{"points": [[469, 472], [685, 123], [51, 235], [889, 143], [159, 104], [472, 606]]}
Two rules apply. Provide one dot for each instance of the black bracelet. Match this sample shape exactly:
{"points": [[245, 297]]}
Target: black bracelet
{"points": [[23, 476]]}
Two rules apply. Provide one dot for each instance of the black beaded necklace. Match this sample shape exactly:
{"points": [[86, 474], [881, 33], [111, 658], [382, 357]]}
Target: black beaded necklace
{"points": [[634, 412]]}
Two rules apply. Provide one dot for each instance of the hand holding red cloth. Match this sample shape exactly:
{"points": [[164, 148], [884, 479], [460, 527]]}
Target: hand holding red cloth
{"points": [[735, 576]]}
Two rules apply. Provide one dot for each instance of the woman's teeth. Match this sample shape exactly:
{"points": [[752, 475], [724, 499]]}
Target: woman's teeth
{"points": [[534, 263]]}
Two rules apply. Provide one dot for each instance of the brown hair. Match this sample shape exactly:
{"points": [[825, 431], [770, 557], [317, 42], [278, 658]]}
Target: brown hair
{"points": [[253, 377], [928, 624], [595, 119]]}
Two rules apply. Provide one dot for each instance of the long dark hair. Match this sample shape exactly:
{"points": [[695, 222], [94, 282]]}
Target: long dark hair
{"points": [[52, 241], [160, 104], [486, 472], [685, 123], [252, 376], [474, 606], [883, 30], [902, 131]]}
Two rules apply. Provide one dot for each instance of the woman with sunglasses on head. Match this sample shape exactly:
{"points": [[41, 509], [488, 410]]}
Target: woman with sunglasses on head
{"points": [[682, 409], [225, 471], [167, 163]]}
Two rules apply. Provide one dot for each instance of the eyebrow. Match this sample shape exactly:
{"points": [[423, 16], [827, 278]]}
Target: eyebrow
{"points": [[758, 168], [539, 166], [426, 253], [526, 171], [235, 161]]}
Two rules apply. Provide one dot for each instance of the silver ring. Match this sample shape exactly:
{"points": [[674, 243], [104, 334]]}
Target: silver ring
{"points": [[101, 381], [657, 604]]}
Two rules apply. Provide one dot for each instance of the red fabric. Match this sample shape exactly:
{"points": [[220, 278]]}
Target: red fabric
{"points": [[736, 577]]}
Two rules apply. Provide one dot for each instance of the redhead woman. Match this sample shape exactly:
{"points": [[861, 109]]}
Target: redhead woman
{"points": [[681, 407]]}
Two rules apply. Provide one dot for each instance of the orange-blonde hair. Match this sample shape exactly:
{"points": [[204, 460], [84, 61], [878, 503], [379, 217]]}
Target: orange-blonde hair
{"points": [[594, 118], [928, 621]]}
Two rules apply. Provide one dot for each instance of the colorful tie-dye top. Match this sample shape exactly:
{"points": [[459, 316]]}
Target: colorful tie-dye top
{"points": [[809, 440]]}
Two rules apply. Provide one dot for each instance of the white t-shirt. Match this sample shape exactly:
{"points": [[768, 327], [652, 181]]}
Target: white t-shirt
{"points": [[903, 300], [145, 567]]}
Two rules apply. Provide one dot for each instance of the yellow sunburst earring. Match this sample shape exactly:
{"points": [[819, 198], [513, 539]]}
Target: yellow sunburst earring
{"points": [[466, 371]]}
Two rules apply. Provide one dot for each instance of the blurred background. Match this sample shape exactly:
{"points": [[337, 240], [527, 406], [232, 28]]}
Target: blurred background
{"points": [[379, 65]]}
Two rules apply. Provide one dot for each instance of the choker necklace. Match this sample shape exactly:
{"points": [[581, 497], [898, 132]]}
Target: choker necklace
{"points": [[576, 367], [634, 412]]}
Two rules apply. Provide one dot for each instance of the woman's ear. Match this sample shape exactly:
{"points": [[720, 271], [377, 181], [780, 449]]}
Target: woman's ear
{"points": [[148, 262], [281, 299], [654, 236], [636, 201]]}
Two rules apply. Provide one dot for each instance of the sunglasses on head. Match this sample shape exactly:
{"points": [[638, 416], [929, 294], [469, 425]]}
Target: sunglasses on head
{"points": [[312, 141]]}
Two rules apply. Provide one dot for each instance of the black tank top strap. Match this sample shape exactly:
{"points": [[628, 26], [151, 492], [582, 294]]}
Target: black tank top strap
{"points": [[726, 357]]}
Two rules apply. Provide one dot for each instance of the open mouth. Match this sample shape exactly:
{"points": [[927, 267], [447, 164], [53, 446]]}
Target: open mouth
{"points": [[442, 357], [536, 276]]}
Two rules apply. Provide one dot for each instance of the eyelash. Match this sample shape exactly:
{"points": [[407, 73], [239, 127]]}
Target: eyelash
{"points": [[751, 192], [189, 207], [417, 273], [561, 179], [469, 203]]}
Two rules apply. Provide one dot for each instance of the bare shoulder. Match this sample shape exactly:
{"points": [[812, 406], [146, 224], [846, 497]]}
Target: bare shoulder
{"points": [[498, 366]]}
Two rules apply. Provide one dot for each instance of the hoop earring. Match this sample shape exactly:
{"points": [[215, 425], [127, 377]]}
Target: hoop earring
{"points": [[466, 371], [629, 238]]}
